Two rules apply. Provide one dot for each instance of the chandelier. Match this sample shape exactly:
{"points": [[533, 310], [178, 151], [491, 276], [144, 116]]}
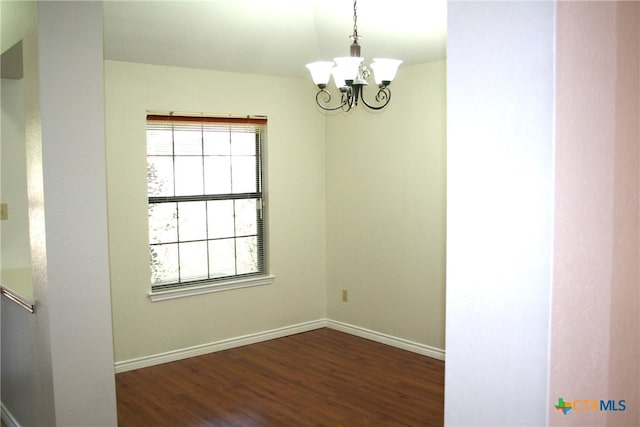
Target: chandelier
{"points": [[350, 76]]}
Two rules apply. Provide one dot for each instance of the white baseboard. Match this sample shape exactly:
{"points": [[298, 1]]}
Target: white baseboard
{"points": [[7, 418], [423, 349], [199, 350]]}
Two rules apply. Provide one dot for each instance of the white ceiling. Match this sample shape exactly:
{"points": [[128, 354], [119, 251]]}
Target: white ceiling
{"points": [[275, 37]]}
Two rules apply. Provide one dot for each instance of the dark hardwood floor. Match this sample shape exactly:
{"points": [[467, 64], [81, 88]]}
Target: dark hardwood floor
{"points": [[318, 378]]}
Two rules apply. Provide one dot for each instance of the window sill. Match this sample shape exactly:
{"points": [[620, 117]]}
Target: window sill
{"points": [[209, 288]]}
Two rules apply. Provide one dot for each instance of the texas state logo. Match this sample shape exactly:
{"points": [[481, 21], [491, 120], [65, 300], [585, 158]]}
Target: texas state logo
{"points": [[582, 405], [563, 406]]}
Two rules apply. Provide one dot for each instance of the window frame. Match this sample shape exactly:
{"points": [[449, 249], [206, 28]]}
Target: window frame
{"points": [[180, 288]]}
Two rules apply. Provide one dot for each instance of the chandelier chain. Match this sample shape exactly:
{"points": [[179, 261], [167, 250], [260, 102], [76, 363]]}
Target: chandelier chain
{"points": [[355, 19]]}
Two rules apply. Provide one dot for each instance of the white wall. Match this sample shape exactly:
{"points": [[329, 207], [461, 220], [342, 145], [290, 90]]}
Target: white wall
{"points": [[76, 295], [59, 369], [501, 343], [27, 389], [500, 76], [21, 391], [386, 210], [296, 207], [19, 386]]}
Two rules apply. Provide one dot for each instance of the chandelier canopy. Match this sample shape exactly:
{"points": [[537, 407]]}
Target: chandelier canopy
{"points": [[350, 75]]}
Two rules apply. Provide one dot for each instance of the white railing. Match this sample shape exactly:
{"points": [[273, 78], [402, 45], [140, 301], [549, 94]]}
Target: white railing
{"points": [[18, 299]]}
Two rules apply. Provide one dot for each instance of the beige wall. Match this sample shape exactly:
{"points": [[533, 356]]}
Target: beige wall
{"points": [[306, 151], [15, 17], [15, 259], [296, 207], [595, 339], [386, 211]]}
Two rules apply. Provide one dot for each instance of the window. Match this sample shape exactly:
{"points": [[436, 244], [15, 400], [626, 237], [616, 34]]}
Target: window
{"points": [[206, 206]]}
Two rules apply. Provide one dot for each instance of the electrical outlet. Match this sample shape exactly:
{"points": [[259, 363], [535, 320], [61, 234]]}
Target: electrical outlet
{"points": [[4, 211], [345, 295]]}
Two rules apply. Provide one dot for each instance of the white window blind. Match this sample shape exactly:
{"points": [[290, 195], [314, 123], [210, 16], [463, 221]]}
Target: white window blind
{"points": [[206, 205]]}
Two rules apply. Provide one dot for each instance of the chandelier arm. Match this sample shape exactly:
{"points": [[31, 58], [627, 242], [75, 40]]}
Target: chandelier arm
{"points": [[327, 98], [383, 96], [347, 99], [347, 105]]}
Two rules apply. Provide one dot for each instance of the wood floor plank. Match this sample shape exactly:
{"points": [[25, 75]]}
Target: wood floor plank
{"points": [[318, 378]]}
